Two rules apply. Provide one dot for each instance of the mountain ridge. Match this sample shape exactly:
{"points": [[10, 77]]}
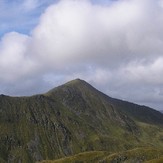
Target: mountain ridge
{"points": [[72, 118], [114, 101]]}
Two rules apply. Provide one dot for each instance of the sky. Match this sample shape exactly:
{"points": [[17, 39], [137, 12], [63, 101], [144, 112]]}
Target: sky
{"points": [[115, 45]]}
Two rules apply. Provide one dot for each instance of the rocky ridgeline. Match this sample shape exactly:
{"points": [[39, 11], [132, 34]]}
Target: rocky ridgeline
{"points": [[73, 118]]}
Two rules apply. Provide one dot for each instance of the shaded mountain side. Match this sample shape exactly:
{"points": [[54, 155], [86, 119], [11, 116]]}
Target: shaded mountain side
{"points": [[70, 119], [137, 112], [84, 100]]}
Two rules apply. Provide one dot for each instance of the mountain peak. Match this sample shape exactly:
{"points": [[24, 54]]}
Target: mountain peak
{"points": [[76, 81], [72, 118], [78, 89]]}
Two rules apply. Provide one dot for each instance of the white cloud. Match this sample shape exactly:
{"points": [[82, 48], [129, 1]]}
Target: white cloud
{"points": [[117, 47], [14, 60], [92, 32], [148, 73], [21, 15]]}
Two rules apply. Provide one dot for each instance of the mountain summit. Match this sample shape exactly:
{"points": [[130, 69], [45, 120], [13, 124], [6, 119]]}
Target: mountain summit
{"points": [[73, 118], [79, 89]]}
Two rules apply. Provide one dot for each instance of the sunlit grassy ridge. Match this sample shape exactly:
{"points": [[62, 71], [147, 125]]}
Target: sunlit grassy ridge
{"points": [[72, 119], [129, 156], [81, 157], [157, 160]]}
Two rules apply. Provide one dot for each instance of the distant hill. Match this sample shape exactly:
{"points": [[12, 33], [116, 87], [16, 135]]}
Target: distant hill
{"points": [[75, 118]]}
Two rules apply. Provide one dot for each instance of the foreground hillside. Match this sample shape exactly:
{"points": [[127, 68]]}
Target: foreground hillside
{"points": [[136, 155], [71, 119]]}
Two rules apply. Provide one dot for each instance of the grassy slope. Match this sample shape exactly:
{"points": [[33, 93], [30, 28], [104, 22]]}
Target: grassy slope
{"points": [[71, 119], [135, 155], [157, 160], [92, 156]]}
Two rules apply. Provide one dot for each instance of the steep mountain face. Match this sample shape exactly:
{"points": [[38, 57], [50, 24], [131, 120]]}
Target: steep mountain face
{"points": [[73, 118]]}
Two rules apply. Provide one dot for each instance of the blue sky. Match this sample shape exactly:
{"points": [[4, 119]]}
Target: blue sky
{"points": [[23, 15], [115, 45]]}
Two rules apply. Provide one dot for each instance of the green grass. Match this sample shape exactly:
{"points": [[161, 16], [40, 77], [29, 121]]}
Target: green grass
{"points": [[157, 160], [72, 119], [93, 156], [134, 155]]}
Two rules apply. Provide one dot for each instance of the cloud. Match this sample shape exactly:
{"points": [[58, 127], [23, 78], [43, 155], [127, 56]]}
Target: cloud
{"points": [[116, 46], [14, 62], [21, 15], [89, 31]]}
